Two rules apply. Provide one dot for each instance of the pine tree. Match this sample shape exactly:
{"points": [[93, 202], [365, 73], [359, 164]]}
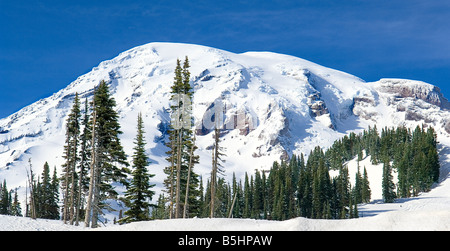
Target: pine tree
{"points": [[106, 154], [69, 176], [16, 209], [358, 189], [247, 198], [4, 199], [217, 167], [365, 190], [236, 207], [388, 185], [47, 195], [181, 144], [139, 191], [160, 211], [83, 179], [343, 191]]}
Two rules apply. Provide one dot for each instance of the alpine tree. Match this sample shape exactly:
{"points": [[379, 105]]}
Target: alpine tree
{"points": [[69, 176], [388, 185], [4, 199], [181, 154], [365, 188], [217, 167], [139, 193], [108, 160], [16, 209], [83, 179], [47, 195]]}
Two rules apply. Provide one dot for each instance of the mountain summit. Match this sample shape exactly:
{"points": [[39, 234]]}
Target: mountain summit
{"points": [[274, 106]]}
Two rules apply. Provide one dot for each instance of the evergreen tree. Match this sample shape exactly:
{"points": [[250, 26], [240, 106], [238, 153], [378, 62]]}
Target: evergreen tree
{"points": [[258, 197], [69, 176], [402, 166], [106, 154], [388, 185], [160, 211], [237, 203], [216, 164], [248, 198], [365, 188], [139, 191], [83, 178], [343, 191], [358, 188], [47, 195], [181, 144], [4, 199], [16, 209]]}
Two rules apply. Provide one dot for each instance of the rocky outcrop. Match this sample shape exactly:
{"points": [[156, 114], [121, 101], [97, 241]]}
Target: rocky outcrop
{"points": [[414, 89]]}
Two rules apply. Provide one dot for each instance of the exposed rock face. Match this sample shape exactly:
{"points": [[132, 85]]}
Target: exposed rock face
{"points": [[414, 89], [316, 105]]}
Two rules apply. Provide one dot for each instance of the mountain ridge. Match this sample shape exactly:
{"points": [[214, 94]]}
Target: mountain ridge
{"points": [[288, 106]]}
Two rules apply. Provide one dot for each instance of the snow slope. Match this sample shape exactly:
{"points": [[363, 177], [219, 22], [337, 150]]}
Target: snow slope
{"points": [[276, 105]]}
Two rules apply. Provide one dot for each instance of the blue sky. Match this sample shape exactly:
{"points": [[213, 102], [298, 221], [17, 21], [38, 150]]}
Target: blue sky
{"points": [[45, 45]]}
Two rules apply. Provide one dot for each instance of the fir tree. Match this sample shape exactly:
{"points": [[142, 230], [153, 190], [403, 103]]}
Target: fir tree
{"points": [[365, 188], [388, 185], [139, 191], [358, 188], [16, 209], [69, 176], [47, 195], [83, 179], [106, 154], [4, 199], [181, 144], [217, 167]]}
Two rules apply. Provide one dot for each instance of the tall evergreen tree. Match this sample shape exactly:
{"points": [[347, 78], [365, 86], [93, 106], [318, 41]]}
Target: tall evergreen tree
{"points": [[181, 144], [4, 199], [358, 188], [365, 192], [47, 198], [139, 191], [108, 160], [217, 167], [83, 178], [69, 175], [16, 209], [388, 185]]}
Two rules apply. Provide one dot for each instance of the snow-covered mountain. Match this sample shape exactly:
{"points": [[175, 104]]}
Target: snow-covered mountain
{"points": [[275, 105]]}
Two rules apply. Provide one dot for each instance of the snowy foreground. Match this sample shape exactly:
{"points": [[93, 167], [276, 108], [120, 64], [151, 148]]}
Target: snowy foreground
{"points": [[430, 211]]}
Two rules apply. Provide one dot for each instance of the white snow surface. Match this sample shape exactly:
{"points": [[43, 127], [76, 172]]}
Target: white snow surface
{"points": [[290, 104]]}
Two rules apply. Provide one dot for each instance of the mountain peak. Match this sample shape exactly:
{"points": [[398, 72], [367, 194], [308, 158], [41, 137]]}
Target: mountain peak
{"points": [[274, 105]]}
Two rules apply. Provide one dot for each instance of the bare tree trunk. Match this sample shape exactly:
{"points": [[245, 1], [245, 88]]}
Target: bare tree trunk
{"points": [[32, 194], [72, 192], [66, 179], [171, 178], [213, 184], [232, 205], [178, 192], [78, 203], [191, 156], [96, 199], [87, 218]]}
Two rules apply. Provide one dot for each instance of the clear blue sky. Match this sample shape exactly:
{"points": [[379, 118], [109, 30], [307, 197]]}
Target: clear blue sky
{"points": [[45, 45]]}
